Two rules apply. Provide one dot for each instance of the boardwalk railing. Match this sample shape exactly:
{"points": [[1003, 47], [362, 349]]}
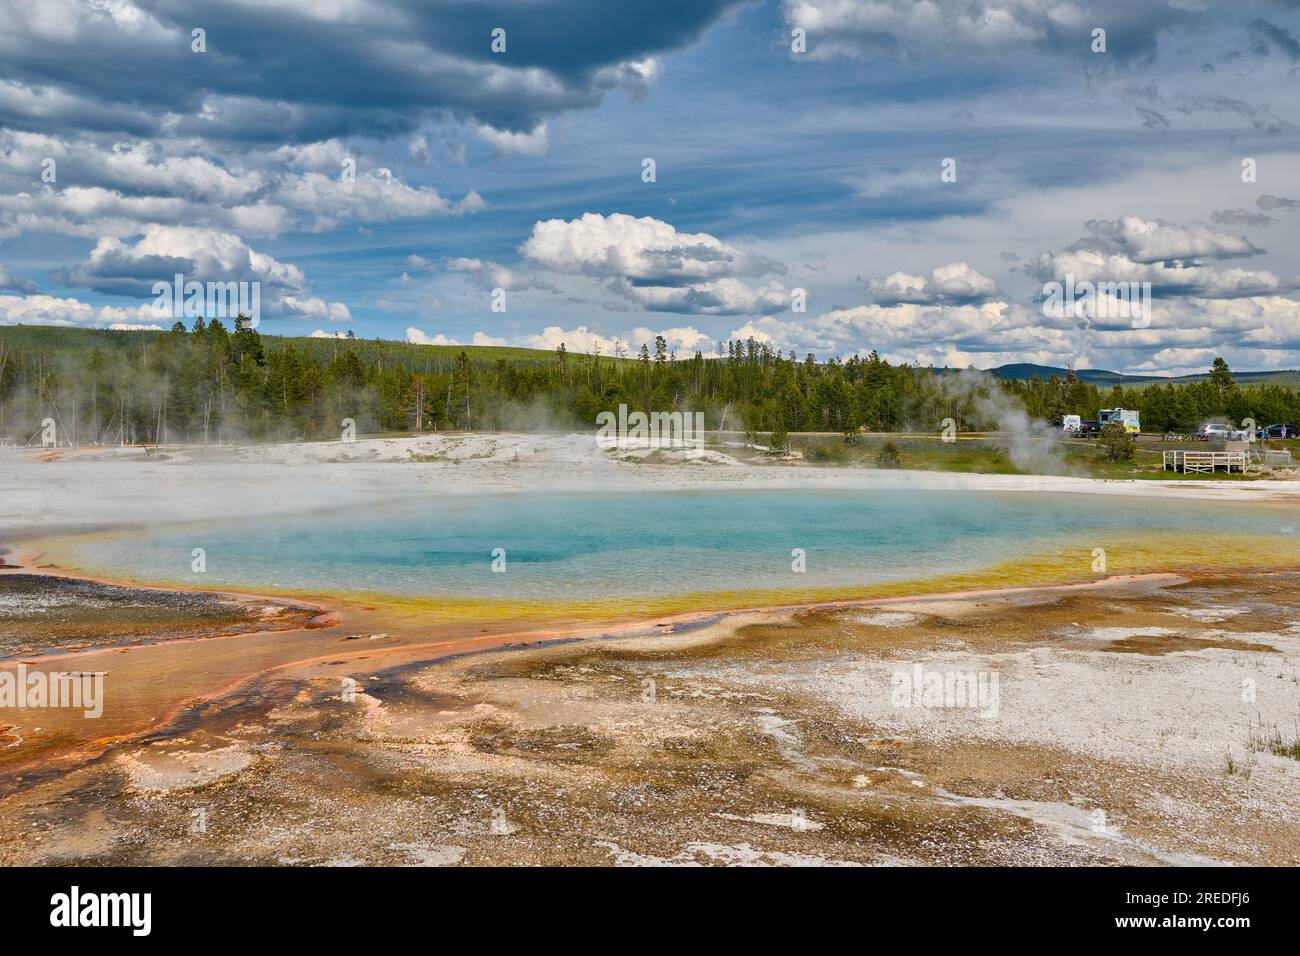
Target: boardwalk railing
{"points": [[1273, 457], [1205, 461]]}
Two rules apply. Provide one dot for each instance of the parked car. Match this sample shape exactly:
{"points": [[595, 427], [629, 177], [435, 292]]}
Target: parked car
{"points": [[1279, 431], [1089, 429], [1219, 431]]}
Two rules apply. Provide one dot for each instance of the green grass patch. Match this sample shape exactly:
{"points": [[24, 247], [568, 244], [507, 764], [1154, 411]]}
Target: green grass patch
{"points": [[1267, 738], [982, 456]]}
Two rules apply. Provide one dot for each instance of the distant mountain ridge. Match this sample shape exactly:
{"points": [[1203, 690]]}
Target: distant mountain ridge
{"points": [[1022, 371]]}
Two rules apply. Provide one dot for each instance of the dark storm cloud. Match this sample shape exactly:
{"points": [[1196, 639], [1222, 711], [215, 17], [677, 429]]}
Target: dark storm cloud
{"points": [[568, 38], [120, 274], [15, 283], [1268, 34], [276, 74]]}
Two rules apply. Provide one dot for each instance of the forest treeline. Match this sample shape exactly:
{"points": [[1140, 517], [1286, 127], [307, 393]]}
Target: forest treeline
{"points": [[209, 383]]}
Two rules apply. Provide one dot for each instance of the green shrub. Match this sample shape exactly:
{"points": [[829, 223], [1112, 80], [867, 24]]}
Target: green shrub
{"points": [[826, 451], [780, 440], [1115, 443]]}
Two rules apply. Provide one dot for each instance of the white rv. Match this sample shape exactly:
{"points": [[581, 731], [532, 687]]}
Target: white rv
{"points": [[1120, 416]]}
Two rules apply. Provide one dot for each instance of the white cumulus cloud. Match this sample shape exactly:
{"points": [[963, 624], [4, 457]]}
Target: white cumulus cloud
{"points": [[955, 282]]}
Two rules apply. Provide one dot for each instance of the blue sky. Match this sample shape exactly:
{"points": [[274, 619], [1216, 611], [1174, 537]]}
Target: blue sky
{"points": [[776, 170]]}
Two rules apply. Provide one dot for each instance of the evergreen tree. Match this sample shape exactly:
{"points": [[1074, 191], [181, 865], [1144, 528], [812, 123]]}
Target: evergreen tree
{"points": [[461, 384], [1221, 376], [1116, 443], [212, 384]]}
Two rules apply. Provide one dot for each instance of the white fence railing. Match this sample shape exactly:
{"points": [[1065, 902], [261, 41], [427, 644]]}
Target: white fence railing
{"points": [[1205, 461]]}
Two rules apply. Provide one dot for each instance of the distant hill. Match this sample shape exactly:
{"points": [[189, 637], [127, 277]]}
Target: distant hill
{"points": [[1022, 371], [77, 341], [72, 341]]}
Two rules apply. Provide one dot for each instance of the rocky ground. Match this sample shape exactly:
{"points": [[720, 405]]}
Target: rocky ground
{"points": [[40, 614], [1153, 722]]}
